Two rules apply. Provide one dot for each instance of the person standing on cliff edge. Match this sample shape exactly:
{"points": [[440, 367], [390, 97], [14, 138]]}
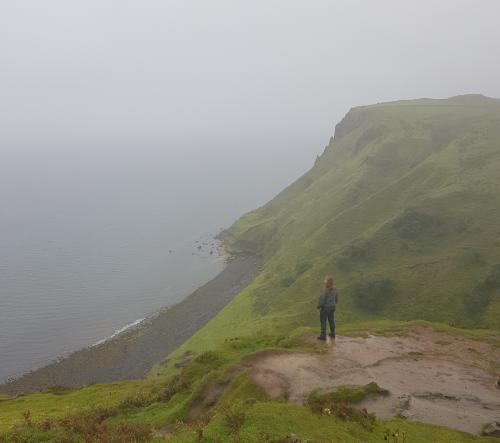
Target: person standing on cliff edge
{"points": [[326, 307]]}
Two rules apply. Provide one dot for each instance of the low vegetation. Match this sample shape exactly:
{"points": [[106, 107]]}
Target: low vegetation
{"points": [[413, 224], [347, 394], [402, 209], [373, 295], [338, 403], [485, 292], [159, 407]]}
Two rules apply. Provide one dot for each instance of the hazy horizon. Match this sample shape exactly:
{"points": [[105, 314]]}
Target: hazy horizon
{"points": [[76, 71], [93, 240], [127, 126]]}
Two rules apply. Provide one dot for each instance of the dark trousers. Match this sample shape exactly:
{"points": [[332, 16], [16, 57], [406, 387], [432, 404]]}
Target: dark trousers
{"points": [[324, 315]]}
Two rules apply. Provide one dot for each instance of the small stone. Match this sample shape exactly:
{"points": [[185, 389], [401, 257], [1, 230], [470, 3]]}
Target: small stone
{"points": [[406, 414], [492, 429]]}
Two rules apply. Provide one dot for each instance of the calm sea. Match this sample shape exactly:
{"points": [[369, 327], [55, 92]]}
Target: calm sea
{"points": [[96, 237]]}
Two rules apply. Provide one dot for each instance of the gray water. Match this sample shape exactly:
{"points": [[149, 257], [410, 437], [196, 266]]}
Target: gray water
{"points": [[95, 237]]}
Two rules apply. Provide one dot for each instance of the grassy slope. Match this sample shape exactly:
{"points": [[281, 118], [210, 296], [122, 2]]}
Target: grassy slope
{"points": [[62, 401], [438, 158], [406, 192]]}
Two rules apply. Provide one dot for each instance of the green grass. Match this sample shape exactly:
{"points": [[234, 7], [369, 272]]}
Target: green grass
{"points": [[347, 394], [267, 421], [278, 420], [415, 206], [45, 405], [240, 398], [402, 208]]}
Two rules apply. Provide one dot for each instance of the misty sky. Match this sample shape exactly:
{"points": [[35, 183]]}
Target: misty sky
{"points": [[113, 69]]}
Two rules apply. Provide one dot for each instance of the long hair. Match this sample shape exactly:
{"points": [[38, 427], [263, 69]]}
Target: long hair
{"points": [[328, 282]]}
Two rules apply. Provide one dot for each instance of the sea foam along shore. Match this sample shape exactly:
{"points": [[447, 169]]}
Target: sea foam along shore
{"points": [[133, 352], [223, 254], [134, 324]]}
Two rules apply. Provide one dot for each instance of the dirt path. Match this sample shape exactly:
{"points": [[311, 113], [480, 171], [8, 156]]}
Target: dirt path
{"points": [[432, 377]]}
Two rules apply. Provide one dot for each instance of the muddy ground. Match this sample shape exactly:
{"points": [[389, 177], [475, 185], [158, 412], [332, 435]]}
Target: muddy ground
{"points": [[132, 354], [432, 377]]}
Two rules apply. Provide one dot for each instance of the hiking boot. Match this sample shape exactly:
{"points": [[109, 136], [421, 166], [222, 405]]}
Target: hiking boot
{"points": [[321, 337], [332, 336]]}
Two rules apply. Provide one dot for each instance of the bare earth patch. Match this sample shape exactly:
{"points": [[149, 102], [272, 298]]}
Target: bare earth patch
{"points": [[451, 385]]}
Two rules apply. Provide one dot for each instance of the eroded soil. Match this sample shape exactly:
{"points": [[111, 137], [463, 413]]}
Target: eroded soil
{"points": [[432, 377]]}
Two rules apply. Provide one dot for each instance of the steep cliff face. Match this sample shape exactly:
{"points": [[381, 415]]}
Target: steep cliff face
{"points": [[405, 196], [403, 208]]}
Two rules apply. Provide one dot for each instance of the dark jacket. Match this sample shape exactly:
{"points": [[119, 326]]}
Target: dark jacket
{"points": [[328, 298]]}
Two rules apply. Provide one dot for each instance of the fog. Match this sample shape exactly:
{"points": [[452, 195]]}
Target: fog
{"points": [[131, 132], [116, 69]]}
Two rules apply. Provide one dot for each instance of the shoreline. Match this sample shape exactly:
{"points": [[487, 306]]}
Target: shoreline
{"points": [[133, 352], [223, 254], [135, 324]]}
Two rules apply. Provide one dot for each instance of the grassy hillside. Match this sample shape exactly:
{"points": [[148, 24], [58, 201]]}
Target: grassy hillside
{"points": [[402, 208], [158, 409]]}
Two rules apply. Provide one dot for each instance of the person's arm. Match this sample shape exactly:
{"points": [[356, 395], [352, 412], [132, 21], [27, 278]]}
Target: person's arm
{"points": [[321, 300]]}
